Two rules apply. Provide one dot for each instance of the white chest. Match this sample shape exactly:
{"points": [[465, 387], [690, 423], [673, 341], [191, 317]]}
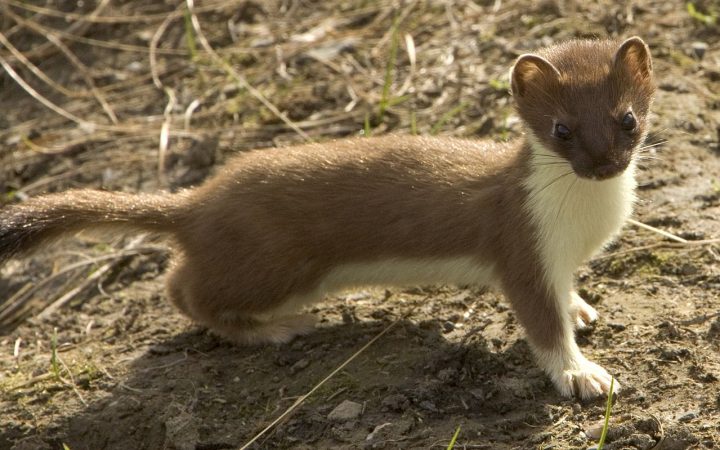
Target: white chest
{"points": [[574, 217]]}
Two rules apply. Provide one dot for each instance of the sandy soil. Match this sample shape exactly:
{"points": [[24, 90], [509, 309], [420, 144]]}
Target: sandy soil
{"points": [[132, 373]]}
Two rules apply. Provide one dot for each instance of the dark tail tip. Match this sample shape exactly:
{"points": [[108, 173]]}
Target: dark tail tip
{"points": [[15, 236]]}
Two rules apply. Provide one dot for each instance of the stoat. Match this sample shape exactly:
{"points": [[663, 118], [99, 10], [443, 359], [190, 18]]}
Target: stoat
{"points": [[278, 229]]}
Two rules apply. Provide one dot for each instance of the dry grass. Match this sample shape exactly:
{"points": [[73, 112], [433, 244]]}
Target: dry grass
{"points": [[147, 84]]}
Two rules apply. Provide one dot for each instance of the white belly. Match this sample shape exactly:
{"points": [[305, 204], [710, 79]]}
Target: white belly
{"points": [[409, 272]]}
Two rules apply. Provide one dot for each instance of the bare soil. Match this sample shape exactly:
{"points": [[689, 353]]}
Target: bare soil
{"points": [[132, 373]]}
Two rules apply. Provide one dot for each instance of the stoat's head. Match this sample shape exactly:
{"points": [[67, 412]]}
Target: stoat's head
{"points": [[587, 101]]}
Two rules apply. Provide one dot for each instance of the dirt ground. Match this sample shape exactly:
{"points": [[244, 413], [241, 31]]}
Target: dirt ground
{"points": [[132, 373]]}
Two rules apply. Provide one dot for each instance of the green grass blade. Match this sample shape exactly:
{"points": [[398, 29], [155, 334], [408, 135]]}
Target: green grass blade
{"points": [[190, 36], [54, 366], [608, 407], [451, 445], [447, 116], [389, 69], [707, 19]]}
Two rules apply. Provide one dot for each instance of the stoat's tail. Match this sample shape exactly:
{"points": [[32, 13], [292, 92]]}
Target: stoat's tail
{"points": [[26, 225]]}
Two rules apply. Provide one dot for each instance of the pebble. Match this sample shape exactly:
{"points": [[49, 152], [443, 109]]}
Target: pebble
{"points": [[396, 402], [699, 49], [428, 406], [300, 365], [347, 410]]}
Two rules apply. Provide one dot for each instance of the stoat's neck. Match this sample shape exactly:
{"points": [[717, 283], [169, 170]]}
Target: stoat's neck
{"points": [[574, 217]]}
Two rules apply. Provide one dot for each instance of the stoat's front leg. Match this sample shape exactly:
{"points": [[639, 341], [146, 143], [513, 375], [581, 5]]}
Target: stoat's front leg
{"points": [[546, 318]]}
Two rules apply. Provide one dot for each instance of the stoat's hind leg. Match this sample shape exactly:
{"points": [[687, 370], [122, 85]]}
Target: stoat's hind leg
{"points": [[581, 313], [276, 330]]}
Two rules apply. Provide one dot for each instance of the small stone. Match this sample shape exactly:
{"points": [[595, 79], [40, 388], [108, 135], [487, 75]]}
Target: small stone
{"points": [[447, 375], [300, 365], [688, 269], [688, 416], [428, 406], [347, 410], [396, 402], [594, 431], [448, 326], [641, 440], [616, 326], [699, 49]]}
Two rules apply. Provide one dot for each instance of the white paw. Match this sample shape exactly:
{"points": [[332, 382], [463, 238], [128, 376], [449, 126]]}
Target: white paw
{"points": [[582, 314], [587, 381]]}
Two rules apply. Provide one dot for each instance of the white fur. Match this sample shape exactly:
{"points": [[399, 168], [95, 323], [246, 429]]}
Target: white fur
{"points": [[410, 272], [391, 272], [574, 217]]}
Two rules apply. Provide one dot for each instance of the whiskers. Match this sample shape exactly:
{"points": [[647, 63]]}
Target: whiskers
{"points": [[647, 153], [541, 159]]}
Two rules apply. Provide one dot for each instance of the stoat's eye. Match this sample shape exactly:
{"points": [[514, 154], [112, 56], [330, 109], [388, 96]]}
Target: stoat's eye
{"points": [[628, 122], [562, 132]]}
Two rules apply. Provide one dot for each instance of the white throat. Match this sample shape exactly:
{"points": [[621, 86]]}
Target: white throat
{"points": [[575, 217]]}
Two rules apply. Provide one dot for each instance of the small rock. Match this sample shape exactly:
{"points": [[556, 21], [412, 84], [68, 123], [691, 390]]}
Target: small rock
{"points": [[616, 326], [640, 440], [688, 269], [428, 406], [347, 410], [699, 49], [396, 402], [300, 365], [679, 438], [446, 375], [688, 416], [448, 326], [594, 431], [714, 331]]}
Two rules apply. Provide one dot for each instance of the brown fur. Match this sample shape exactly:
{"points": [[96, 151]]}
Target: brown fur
{"points": [[268, 229]]}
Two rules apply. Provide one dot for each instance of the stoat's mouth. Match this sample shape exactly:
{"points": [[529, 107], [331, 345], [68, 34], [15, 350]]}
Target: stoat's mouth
{"points": [[601, 172]]}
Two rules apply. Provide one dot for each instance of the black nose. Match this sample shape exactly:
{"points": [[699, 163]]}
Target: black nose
{"points": [[607, 170]]}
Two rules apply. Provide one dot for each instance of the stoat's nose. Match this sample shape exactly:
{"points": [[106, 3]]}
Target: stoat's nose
{"points": [[609, 170]]}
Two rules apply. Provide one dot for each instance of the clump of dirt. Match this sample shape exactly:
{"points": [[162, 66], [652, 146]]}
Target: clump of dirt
{"points": [[141, 105]]}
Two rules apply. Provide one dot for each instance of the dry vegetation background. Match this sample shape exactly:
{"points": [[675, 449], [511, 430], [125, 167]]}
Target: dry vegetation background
{"points": [[143, 95]]}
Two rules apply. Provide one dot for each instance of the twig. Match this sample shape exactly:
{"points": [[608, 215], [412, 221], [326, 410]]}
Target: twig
{"points": [[165, 135], [73, 59], [304, 397], [35, 69], [237, 76], [86, 76], [658, 231], [111, 19], [71, 383], [42, 50], [29, 89], [154, 43], [88, 281], [84, 124], [687, 244]]}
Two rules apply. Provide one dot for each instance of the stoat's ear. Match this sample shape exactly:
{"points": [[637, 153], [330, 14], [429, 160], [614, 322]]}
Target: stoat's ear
{"points": [[531, 71], [634, 58]]}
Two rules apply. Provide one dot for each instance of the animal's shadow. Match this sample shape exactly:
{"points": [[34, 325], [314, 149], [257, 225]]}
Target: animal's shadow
{"points": [[195, 391]]}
